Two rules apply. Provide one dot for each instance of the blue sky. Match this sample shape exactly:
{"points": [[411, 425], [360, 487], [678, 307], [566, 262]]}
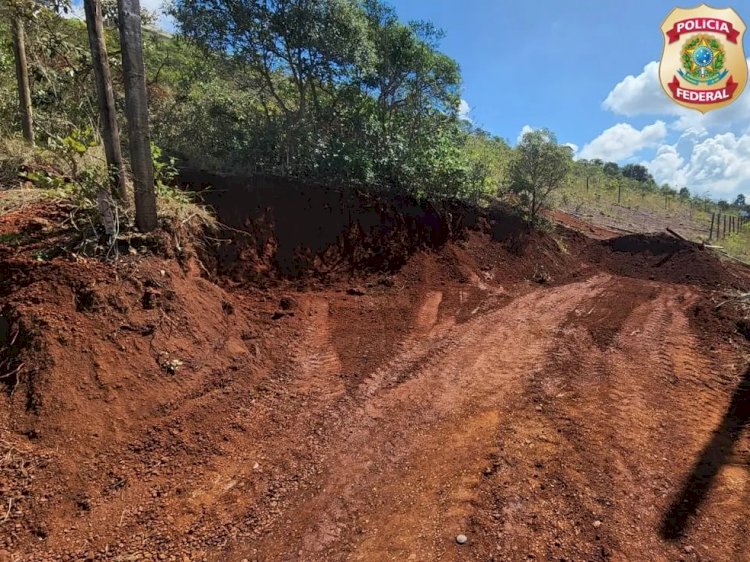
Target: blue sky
{"points": [[588, 71]]}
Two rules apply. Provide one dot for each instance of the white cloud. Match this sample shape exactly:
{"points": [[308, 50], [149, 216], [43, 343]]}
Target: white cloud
{"points": [[574, 148], [735, 116], [667, 166], [623, 141], [525, 129], [719, 165], [641, 95], [463, 111], [706, 152]]}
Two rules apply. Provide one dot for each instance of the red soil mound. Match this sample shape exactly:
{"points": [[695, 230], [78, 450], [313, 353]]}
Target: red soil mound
{"points": [[664, 258], [146, 410]]}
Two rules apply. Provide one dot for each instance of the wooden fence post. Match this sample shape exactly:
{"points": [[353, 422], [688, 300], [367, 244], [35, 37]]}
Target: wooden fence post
{"points": [[711, 230], [725, 227]]}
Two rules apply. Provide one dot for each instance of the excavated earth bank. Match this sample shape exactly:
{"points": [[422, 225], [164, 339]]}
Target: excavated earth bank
{"points": [[351, 377]]}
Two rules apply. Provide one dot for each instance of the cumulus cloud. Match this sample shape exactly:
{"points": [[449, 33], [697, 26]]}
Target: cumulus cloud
{"points": [[719, 164], [641, 95], [735, 116], [463, 110], [623, 141], [525, 129], [705, 152], [667, 166]]}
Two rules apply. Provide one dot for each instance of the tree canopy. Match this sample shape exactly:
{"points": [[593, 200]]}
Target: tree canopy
{"points": [[539, 167]]}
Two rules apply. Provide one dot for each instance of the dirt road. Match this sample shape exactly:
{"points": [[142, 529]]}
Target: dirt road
{"points": [[557, 426], [598, 417]]}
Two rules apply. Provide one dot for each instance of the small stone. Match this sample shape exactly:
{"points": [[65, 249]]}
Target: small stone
{"points": [[538, 408], [597, 523], [461, 539], [688, 549]]}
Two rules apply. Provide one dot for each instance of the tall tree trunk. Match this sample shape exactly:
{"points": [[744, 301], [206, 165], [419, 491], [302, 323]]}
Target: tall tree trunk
{"points": [[136, 111], [22, 77], [107, 113]]}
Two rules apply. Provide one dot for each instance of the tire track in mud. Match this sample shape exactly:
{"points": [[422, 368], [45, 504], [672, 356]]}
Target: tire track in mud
{"points": [[520, 427], [436, 407], [628, 430]]}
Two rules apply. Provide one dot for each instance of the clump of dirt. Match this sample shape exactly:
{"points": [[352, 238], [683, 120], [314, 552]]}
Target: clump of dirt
{"points": [[659, 257], [93, 356]]}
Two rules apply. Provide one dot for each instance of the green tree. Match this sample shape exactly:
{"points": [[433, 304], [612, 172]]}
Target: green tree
{"points": [[298, 54], [611, 169], [331, 89], [637, 172], [539, 167], [488, 157], [740, 201]]}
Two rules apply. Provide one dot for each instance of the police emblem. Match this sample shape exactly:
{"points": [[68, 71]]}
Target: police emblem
{"points": [[703, 63]]}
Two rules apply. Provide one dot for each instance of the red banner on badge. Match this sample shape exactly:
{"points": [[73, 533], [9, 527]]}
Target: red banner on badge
{"points": [[711, 25], [702, 96]]}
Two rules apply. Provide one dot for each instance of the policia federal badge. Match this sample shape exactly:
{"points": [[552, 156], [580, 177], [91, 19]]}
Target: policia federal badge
{"points": [[703, 64]]}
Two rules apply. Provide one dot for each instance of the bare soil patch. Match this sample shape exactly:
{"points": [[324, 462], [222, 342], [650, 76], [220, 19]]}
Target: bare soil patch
{"points": [[289, 407]]}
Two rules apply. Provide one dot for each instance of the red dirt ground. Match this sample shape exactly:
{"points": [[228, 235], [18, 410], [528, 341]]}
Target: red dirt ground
{"points": [[552, 397]]}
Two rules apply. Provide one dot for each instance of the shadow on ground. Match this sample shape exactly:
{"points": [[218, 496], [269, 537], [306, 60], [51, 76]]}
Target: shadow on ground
{"points": [[712, 458]]}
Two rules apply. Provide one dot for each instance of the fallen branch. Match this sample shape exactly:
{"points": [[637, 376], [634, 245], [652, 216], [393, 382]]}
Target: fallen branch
{"points": [[676, 234]]}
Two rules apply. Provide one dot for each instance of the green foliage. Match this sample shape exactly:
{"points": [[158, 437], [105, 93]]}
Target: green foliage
{"points": [[164, 168], [539, 167], [719, 61], [488, 158], [62, 86], [325, 89]]}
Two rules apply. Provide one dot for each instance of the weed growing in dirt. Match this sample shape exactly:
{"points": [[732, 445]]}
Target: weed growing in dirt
{"points": [[541, 275], [177, 205], [71, 173], [738, 244]]}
